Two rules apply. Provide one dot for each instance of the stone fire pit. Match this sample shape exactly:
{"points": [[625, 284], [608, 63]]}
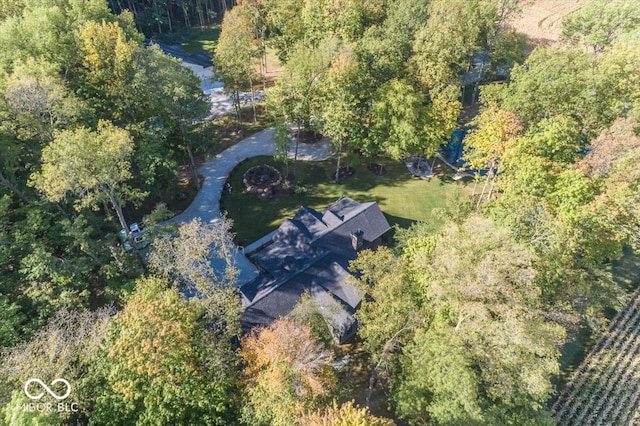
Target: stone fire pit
{"points": [[262, 180]]}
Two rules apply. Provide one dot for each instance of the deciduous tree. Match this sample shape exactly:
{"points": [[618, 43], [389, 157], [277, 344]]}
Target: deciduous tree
{"points": [[163, 365], [395, 310], [200, 259], [443, 45], [64, 348], [107, 67], [612, 161], [482, 291], [568, 82], [462, 326], [485, 146], [287, 372], [34, 103], [343, 103], [598, 23], [286, 28], [45, 31], [346, 414], [237, 53], [346, 19], [39, 100], [93, 165], [292, 99], [398, 120], [438, 382]]}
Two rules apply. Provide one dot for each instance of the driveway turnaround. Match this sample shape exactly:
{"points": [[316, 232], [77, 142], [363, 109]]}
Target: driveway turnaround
{"points": [[206, 204]]}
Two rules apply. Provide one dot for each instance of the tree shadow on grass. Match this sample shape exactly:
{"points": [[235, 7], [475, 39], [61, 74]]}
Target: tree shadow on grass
{"points": [[397, 192]]}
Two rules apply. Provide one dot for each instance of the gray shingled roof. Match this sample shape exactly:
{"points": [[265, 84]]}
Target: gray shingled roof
{"points": [[335, 276], [366, 218], [311, 219], [291, 243], [278, 303], [312, 252]]}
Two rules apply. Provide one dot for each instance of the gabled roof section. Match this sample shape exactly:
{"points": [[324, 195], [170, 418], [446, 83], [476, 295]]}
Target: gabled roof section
{"points": [[366, 219], [332, 219], [311, 220], [311, 252], [277, 303], [343, 207], [289, 250], [252, 290], [293, 232], [334, 273], [330, 276], [325, 280]]}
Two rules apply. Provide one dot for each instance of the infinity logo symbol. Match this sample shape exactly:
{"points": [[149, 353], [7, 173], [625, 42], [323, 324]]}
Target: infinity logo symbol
{"points": [[47, 388]]}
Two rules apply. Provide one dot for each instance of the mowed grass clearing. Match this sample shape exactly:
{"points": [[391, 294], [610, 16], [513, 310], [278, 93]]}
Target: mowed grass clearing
{"points": [[403, 198], [201, 39]]}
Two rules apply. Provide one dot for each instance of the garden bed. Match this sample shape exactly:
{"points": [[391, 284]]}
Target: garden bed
{"points": [[377, 169], [344, 174]]}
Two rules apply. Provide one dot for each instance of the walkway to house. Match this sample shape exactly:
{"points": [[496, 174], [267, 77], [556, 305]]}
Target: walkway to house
{"points": [[206, 204]]}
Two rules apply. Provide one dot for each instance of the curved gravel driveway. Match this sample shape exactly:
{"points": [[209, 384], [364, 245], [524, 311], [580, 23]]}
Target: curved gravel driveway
{"points": [[206, 204]]}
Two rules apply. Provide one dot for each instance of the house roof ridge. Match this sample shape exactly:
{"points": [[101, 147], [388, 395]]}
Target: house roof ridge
{"points": [[351, 215], [345, 303], [283, 280]]}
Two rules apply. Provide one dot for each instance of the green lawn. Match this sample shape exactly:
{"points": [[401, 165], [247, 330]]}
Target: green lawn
{"points": [[202, 39], [403, 198], [195, 40]]}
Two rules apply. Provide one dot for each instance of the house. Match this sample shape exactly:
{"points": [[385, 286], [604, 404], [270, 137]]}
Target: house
{"points": [[311, 253]]}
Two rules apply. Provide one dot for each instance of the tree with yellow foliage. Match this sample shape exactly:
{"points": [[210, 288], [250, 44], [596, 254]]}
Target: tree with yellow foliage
{"points": [[163, 366], [287, 372]]}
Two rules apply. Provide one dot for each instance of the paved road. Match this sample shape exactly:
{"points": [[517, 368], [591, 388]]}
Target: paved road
{"points": [[206, 204], [212, 86]]}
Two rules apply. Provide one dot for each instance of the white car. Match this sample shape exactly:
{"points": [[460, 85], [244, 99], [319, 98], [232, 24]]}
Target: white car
{"points": [[135, 235]]}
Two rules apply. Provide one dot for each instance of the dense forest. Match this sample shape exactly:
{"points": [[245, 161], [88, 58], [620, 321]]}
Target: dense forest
{"points": [[153, 17], [468, 317]]}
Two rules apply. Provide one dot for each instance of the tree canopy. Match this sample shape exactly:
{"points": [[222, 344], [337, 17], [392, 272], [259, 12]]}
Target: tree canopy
{"points": [[467, 318], [162, 365], [91, 165], [287, 372], [463, 319]]}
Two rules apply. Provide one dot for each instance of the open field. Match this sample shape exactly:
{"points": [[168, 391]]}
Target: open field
{"points": [[605, 390], [195, 40], [540, 20]]}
